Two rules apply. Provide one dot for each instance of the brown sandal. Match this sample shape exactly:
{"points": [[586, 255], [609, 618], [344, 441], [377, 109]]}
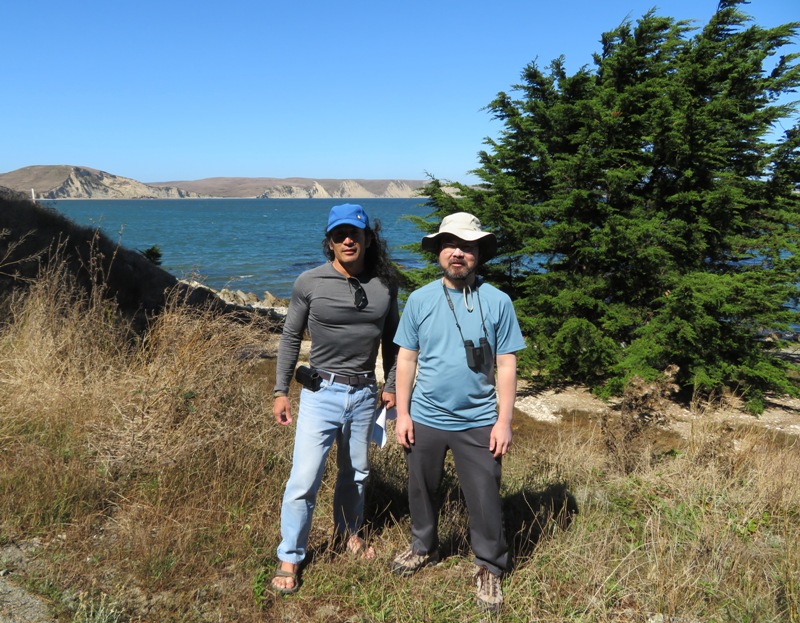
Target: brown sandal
{"points": [[282, 573]]}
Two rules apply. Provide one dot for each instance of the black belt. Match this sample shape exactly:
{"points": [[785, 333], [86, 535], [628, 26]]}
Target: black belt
{"points": [[356, 381]]}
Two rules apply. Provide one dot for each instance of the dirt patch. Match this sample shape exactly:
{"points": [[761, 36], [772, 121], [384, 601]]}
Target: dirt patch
{"points": [[554, 405], [18, 605], [781, 415]]}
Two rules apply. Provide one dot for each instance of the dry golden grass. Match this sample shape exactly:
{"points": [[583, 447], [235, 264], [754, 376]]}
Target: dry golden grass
{"points": [[152, 471]]}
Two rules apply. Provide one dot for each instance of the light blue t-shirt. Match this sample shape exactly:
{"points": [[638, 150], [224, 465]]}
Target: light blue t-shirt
{"points": [[448, 394]]}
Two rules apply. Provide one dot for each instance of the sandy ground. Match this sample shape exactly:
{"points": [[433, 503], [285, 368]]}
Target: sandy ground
{"points": [[781, 414]]}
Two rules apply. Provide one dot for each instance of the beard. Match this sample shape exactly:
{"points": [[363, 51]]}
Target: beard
{"points": [[459, 273]]}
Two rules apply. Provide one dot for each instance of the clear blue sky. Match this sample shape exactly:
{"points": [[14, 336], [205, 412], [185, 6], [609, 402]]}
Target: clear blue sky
{"points": [[177, 90]]}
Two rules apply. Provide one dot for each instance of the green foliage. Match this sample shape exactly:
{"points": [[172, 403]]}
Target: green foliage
{"points": [[154, 254], [644, 216], [580, 350]]}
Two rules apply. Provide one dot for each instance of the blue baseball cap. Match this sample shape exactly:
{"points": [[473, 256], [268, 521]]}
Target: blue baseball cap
{"points": [[347, 214]]}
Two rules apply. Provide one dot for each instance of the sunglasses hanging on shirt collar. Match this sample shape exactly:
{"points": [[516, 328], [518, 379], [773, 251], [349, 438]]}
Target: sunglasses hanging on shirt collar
{"points": [[359, 296]]}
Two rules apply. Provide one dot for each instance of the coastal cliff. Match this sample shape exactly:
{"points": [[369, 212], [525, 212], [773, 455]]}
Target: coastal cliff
{"points": [[395, 189], [71, 182], [76, 182]]}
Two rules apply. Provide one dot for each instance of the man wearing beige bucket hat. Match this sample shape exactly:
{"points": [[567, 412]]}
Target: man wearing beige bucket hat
{"points": [[456, 386]]}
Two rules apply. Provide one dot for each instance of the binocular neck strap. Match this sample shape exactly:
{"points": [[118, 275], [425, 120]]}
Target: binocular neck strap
{"points": [[453, 309]]}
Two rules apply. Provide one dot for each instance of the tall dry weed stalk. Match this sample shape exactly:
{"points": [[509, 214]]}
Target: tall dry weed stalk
{"points": [[58, 351], [58, 337], [10, 262], [192, 444]]}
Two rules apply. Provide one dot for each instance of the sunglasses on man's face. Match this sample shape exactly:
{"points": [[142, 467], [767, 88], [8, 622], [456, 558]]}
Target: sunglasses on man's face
{"points": [[343, 232], [359, 296]]}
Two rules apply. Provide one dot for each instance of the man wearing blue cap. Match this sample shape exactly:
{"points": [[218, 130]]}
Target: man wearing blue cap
{"points": [[349, 307]]}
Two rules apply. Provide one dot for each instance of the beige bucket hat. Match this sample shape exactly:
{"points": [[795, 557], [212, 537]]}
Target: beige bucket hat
{"points": [[466, 227]]}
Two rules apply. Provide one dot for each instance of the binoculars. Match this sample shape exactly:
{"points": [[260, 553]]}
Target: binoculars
{"points": [[480, 355]]}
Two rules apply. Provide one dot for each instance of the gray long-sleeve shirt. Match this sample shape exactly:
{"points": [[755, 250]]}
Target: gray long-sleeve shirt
{"points": [[344, 340]]}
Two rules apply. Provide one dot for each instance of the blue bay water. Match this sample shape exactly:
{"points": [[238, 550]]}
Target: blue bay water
{"points": [[254, 245]]}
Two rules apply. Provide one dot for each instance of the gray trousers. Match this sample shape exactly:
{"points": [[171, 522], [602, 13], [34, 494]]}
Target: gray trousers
{"points": [[479, 476]]}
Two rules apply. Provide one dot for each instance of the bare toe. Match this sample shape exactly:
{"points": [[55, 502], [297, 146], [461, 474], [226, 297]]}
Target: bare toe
{"points": [[358, 547]]}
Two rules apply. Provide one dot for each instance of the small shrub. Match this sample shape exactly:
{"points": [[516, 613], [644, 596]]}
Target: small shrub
{"points": [[154, 254]]}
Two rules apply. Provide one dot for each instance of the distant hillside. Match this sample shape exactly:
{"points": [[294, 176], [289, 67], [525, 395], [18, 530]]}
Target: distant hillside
{"points": [[70, 182], [74, 182], [299, 187]]}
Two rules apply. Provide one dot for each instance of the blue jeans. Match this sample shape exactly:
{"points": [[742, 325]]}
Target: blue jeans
{"points": [[339, 413]]}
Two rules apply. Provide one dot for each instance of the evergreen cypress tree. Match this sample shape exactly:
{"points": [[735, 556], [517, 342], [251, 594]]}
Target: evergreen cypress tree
{"points": [[644, 216]]}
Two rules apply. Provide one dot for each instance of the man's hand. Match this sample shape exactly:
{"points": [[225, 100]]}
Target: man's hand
{"points": [[404, 431], [282, 410], [500, 439], [388, 400]]}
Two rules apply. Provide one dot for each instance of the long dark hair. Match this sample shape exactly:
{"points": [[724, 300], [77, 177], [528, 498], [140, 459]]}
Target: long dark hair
{"points": [[376, 257]]}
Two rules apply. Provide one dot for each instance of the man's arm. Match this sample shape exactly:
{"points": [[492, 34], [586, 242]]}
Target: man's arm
{"points": [[288, 351], [500, 440], [406, 371], [389, 354]]}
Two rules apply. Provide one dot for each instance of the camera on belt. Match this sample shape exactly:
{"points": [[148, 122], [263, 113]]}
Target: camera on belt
{"points": [[480, 355], [308, 378]]}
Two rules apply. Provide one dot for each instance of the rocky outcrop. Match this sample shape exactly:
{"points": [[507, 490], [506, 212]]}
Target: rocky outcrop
{"points": [[286, 191], [68, 182], [343, 189], [89, 184], [270, 305], [351, 188], [398, 189]]}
